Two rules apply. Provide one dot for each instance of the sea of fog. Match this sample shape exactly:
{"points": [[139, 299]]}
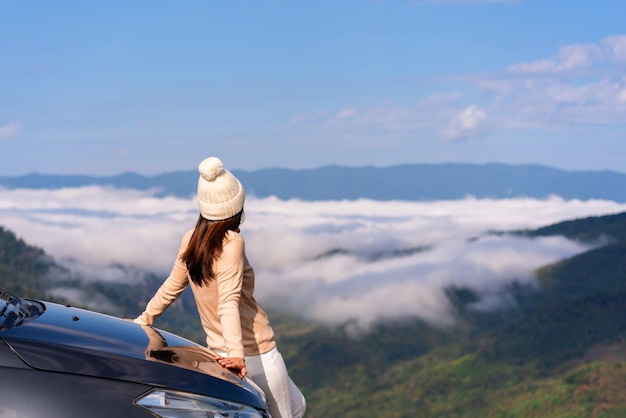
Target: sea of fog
{"points": [[331, 261]]}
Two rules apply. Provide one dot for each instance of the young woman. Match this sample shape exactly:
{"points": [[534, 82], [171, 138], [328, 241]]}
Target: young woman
{"points": [[213, 262]]}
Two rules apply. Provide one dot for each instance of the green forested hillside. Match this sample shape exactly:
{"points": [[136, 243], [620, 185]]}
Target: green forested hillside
{"points": [[561, 352], [22, 267], [586, 229]]}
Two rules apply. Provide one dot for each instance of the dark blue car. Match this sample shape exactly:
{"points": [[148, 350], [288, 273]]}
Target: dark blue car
{"points": [[61, 361]]}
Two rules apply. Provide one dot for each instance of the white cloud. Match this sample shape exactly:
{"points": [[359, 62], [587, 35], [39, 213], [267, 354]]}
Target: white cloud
{"points": [[304, 118], [470, 122], [330, 261], [576, 57], [582, 85], [10, 130], [556, 105], [570, 57], [347, 114], [616, 48], [384, 124], [386, 114]]}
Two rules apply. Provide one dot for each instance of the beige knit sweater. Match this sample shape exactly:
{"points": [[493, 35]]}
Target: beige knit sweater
{"points": [[232, 320]]}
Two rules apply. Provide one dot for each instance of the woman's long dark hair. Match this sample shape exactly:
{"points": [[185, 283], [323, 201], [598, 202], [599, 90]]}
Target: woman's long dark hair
{"points": [[206, 245]]}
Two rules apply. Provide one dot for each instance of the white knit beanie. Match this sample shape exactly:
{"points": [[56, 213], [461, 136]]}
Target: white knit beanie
{"points": [[220, 194]]}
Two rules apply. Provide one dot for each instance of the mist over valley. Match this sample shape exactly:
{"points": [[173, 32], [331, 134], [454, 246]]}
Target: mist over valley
{"points": [[360, 261]]}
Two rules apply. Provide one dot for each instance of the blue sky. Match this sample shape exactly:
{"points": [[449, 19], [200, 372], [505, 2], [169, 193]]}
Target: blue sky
{"points": [[155, 86]]}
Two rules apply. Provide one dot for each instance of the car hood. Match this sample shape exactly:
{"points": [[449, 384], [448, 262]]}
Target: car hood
{"points": [[72, 340]]}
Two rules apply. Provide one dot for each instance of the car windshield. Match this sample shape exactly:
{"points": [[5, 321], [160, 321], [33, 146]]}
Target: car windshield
{"points": [[15, 310]]}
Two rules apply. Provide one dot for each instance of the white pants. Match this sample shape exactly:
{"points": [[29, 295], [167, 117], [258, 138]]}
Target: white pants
{"points": [[269, 372]]}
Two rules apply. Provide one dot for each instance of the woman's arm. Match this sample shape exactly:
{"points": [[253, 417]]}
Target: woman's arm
{"points": [[169, 291]]}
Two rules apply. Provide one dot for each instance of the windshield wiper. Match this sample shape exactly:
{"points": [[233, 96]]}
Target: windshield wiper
{"points": [[14, 310]]}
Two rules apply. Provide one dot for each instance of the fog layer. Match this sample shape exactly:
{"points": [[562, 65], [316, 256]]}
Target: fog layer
{"points": [[331, 261]]}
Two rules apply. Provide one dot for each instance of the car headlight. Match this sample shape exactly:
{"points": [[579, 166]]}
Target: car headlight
{"points": [[172, 404]]}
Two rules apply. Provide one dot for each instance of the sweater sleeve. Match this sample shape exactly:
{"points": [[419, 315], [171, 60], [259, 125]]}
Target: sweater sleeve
{"points": [[169, 291], [229, 269]]}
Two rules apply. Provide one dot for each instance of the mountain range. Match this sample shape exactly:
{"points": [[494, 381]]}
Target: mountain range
{"points": [[412, 182]]}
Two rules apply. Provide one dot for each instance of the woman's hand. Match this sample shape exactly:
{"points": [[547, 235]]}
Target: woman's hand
{"points": [[234, 364]]}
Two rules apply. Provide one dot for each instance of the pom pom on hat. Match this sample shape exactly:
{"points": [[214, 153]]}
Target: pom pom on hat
{"points": [[220, 194], [210, 168]]}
